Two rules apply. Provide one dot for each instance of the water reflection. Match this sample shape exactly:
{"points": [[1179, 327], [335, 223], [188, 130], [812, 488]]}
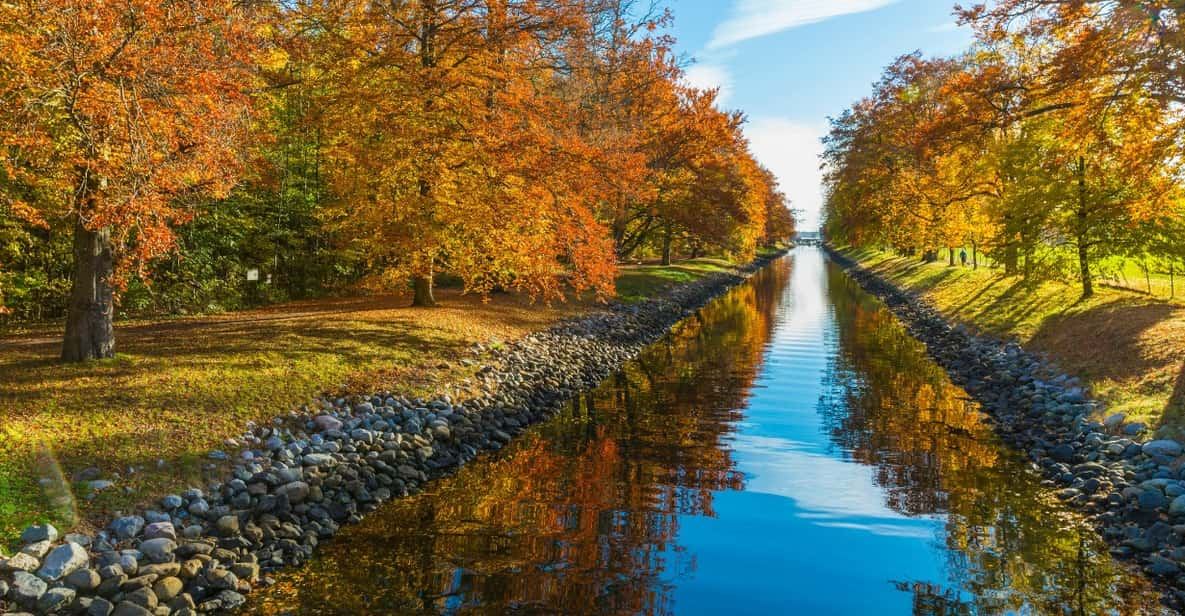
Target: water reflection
{"points": [[787, 450]]}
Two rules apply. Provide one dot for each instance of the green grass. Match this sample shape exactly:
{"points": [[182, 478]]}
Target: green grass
{"points": [[637, 283], [179, 387], [1128, 347]]}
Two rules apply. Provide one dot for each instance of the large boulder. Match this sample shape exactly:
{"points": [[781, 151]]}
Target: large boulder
{"points": [[41, 532], [127, 526], [159, 550], [27, 589], [63, 560], [1163, 448]]}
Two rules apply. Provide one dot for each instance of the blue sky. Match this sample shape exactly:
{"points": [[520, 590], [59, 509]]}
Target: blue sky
{"points": [[789, 64]]}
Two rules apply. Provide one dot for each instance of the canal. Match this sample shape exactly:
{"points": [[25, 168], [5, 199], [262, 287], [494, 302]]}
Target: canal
{"points": [[787, 450]]}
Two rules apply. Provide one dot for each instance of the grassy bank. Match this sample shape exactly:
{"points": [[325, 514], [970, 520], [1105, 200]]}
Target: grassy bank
{"points": [[1128, 347], [180, 388]]}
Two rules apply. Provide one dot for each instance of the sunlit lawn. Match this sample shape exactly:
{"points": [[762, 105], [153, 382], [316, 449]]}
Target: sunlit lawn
{"points": [[179, 388], [1129, 347]]}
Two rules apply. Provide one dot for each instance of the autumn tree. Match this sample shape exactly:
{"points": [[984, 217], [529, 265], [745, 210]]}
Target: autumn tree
{"points": [[446, 143], [115, 117]]}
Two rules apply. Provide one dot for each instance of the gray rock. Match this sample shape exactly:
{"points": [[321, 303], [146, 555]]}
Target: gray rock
{"points": [[1159, 565], [127, 527], [79, 538], [20, 562], [27, 589], [1152, 499], [41, 532], [158, 530], [98, 485], [1177, 507], [1062, 453], [231, 600], [63, 560], [1113, 422], [55, 599], [1135, 429], [83, 579], [127, 608], [166, 589], [318, 459], [159, 550], [171, 502], [38, 549], [327, 422], [100, 607], [199, 507], [1162, 448], [296, 491]]}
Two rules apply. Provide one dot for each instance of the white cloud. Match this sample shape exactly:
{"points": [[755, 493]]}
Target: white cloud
{"points": [[707, 75], [791, 150], [754, 18]]}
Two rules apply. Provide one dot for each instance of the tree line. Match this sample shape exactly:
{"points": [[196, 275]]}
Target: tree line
{"points": [[155, 154], [1051, 145]]}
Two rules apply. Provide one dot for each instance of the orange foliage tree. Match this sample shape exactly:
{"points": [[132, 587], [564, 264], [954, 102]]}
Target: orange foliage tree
{"points": [[114, 117]]}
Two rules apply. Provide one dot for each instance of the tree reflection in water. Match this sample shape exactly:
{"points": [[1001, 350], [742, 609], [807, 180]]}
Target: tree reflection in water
{"points": [[582, 514], [1010, 547]]}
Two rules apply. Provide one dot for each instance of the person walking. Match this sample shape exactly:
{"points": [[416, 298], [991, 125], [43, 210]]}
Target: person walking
{"points": [[963, 256]]}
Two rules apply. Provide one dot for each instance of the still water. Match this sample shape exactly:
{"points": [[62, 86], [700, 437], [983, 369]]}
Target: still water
{"points": [[788, 450]]}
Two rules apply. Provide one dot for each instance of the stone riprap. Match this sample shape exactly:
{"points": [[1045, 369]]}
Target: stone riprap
{"points": [[296, 481], [1132, 490]]}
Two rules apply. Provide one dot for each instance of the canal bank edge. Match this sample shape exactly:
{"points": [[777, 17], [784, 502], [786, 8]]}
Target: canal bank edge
{"points": [[295, 482], [1131, 490]]}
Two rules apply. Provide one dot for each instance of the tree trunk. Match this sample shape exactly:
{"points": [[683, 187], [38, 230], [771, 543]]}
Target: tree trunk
{"points": [[974, 255], [950, 253], [423, 291], [666, 246], [1083, 246], [89, 330]]}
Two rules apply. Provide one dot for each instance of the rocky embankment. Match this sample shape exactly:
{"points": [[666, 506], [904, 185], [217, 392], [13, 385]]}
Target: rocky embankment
{"points": [[297, 481], [1129, 484]]}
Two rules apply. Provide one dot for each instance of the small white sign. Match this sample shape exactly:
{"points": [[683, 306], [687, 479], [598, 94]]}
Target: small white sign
{"points": [[253, 275]]}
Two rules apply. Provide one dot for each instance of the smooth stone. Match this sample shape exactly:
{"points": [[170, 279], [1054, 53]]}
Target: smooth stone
{"points": [[167, 588], [171, 502], [228, 526], [127, 608], [40, 532], [327, 422], [158, 530], [84, 579], [63, 560], [1162, 448], [20, 562], [296, 491], [1152, 499], [159, 550], [1062, 453], [1177, 507], [27, 588], [127, 527], [318, 459], [37, 550], [55, 599], [100, 607]]}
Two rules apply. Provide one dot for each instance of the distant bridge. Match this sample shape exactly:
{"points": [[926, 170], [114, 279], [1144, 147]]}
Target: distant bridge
{"points": [[808, 238]]}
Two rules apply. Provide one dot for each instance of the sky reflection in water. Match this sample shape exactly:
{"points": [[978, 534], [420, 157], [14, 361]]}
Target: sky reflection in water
{"points": [[788, 450]]}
